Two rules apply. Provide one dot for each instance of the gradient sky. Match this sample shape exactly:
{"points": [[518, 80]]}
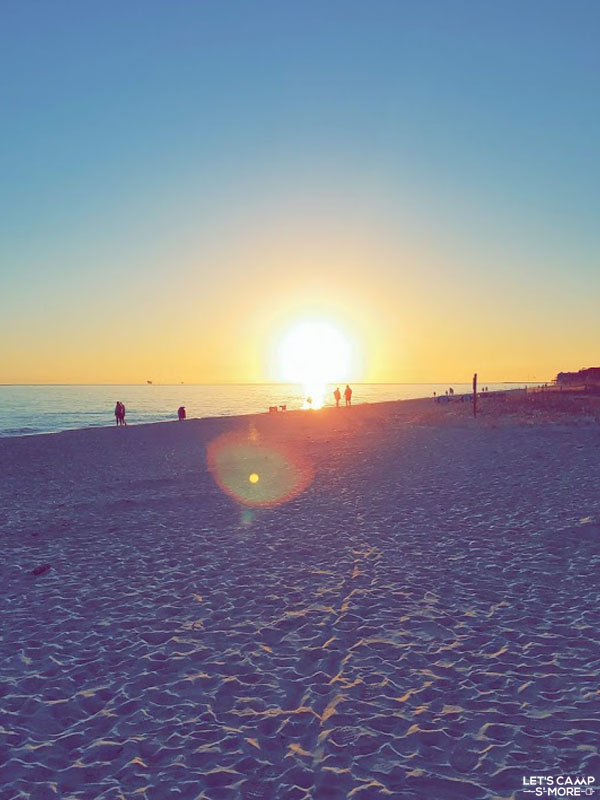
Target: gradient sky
{"points": [[180, 181]]}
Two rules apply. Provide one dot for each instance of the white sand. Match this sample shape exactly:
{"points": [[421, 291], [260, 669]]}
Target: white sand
{"points": [[420, 622]]}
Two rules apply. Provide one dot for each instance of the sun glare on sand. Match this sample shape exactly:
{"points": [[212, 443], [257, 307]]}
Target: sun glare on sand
{"points": [[314, 354]]}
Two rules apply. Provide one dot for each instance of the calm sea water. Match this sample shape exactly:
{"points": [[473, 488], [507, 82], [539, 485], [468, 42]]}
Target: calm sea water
{"points": [[45, 409]]}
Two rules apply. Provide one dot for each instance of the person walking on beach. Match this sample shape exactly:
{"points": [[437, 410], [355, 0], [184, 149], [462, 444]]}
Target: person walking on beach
{"points": [[337, 396], [181, 413], [348, 395], [122, 414], [118, 413]]}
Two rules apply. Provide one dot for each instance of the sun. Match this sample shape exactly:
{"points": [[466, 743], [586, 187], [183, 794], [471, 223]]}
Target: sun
{"points": [[314, 354]]}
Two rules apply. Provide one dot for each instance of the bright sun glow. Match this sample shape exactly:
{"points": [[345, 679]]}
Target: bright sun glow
{"points": [[314, 354]]}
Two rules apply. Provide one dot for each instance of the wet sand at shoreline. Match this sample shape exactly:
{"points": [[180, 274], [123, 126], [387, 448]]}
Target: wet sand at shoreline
{"points": [[420, 620]]}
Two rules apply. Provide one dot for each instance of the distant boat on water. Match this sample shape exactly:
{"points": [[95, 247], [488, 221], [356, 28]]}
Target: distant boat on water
{"points": [[149, 382]]}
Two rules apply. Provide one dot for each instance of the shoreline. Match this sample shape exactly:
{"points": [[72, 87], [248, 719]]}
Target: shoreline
{"points": [[487, 402], [259, 414], [31, 410]]}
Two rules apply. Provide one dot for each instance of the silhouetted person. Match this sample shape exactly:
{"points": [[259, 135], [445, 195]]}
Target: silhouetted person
{"points": [[181, 413], [118, 412], [348, 395], [337, 396], [122, 414]]}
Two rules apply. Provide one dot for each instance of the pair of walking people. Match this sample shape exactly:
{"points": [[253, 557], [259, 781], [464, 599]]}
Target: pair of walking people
{"points": [[347, 396], [120, 413]]}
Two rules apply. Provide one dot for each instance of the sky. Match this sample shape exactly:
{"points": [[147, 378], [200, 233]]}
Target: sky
{"points": [[181, 183]]}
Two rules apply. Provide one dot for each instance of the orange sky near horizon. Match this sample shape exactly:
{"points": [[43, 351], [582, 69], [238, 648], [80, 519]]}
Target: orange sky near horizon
{"points": [[410, 313]]}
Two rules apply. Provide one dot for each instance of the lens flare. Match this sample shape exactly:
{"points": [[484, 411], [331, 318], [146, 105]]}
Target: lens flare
{"points": [[255, 472]]}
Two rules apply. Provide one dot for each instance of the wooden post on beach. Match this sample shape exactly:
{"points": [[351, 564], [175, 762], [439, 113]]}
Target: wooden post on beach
{"points": [[475, 395]]}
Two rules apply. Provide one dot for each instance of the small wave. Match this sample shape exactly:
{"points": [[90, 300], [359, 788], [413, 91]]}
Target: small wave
{"points": [[20, 431]]}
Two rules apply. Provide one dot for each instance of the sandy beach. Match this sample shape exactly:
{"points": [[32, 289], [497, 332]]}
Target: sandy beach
{"points": [[402, 603]]}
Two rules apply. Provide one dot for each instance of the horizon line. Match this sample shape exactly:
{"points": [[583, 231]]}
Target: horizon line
{"points": [[265, 383]]}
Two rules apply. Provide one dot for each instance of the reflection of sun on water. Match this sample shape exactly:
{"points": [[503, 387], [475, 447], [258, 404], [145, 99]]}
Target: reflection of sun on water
{"points": [[314, 354]]}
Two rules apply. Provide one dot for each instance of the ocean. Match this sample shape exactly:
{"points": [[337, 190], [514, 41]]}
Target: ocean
{"points": [[31, 409]]}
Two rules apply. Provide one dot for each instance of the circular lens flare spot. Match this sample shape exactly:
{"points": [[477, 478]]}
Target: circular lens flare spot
{"points": [[257, 472]]}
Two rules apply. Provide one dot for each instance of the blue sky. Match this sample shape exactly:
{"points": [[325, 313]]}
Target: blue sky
{"points": [[152, 152]]}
